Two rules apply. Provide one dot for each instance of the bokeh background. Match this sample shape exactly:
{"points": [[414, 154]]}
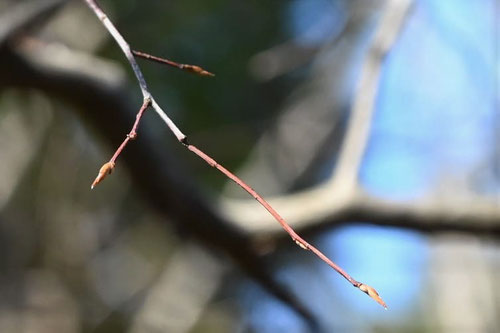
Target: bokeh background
{"points": [[371, 125]]}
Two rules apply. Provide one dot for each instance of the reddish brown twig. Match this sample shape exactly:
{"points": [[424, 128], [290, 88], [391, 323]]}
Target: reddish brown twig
{"points": [[108, 167], [149, 100], [185, 67], [295, 237]]}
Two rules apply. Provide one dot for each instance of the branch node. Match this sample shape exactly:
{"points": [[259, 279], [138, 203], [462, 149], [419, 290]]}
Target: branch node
{"points": [[302, 245]]}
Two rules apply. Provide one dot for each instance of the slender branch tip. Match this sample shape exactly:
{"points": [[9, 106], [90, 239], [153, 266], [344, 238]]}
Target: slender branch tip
{"points": [[184, 67]]}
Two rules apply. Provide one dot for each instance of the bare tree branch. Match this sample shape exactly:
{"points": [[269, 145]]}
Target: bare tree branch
{"points": [[309, 211], [148, 98]]}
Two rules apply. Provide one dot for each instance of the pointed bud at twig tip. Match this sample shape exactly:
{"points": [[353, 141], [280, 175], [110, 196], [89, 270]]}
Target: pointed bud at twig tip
{"points": [[373, 294], [207, 73], [196, 70], [105, 170]]}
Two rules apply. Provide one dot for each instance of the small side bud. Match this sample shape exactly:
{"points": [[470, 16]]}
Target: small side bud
{"points": [[302, 245], [373, 294], [105, 170]]}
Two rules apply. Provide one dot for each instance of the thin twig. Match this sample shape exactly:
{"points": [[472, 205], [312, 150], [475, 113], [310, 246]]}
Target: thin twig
{"points": [[295, 237], [133, 132], [108, 167], [185, 67], [183, 139]]}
